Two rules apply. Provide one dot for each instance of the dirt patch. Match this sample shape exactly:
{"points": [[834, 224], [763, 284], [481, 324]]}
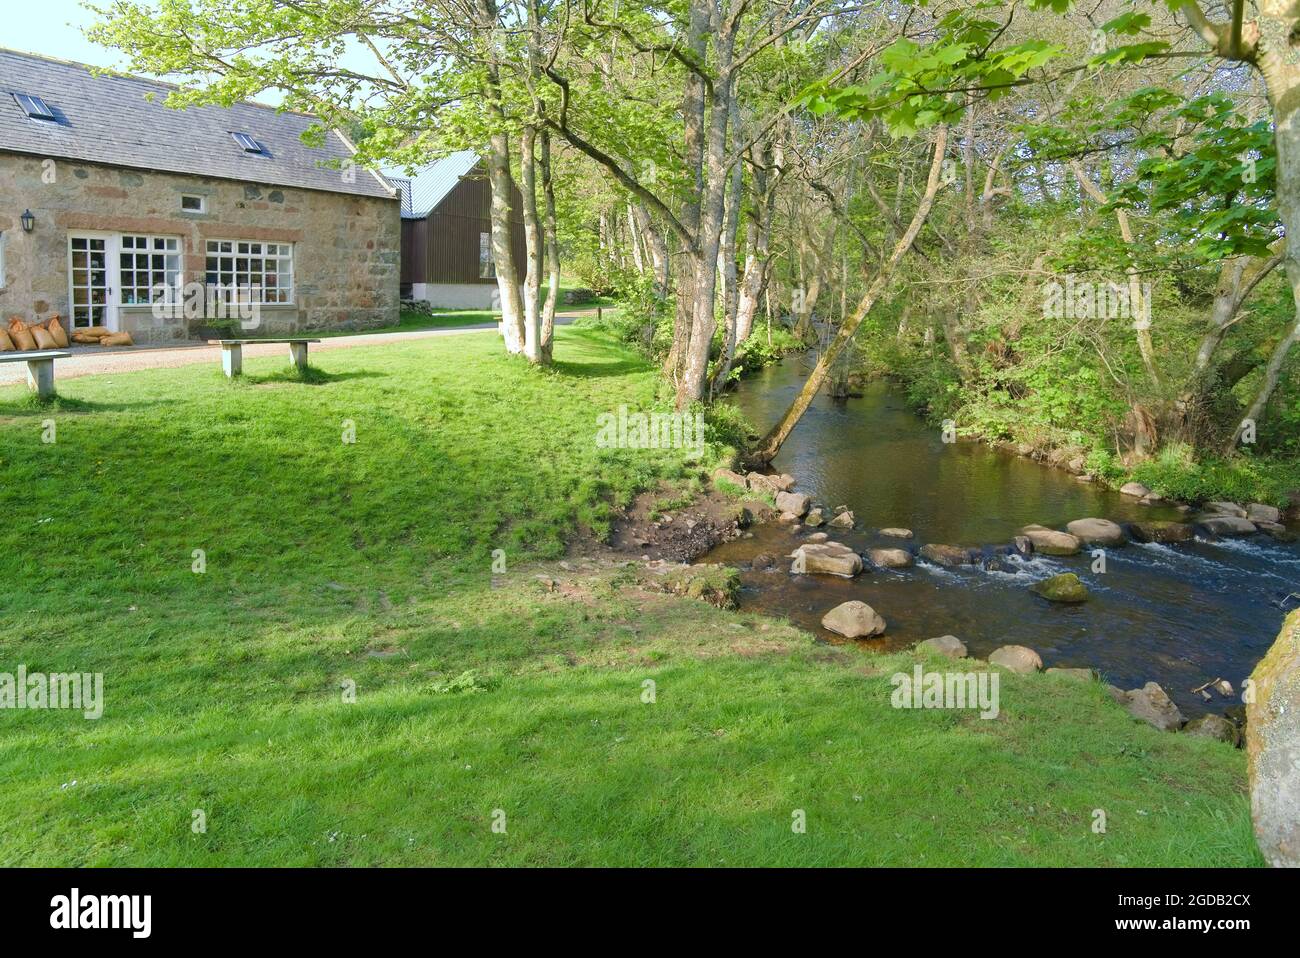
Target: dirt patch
{"points": [[666, 523]]}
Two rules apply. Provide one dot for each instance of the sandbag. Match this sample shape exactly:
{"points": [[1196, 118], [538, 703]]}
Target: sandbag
{"points": [[117, 339], [21, 335], [92, 333], [80, 337], [43, 338], [6, 344], [57, 332]]}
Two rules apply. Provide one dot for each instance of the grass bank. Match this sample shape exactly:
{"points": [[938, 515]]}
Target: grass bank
{"points": [[347, 683]]}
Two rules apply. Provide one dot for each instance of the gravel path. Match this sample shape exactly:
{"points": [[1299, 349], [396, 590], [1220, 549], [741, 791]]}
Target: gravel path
{"points": [[91, 360]]}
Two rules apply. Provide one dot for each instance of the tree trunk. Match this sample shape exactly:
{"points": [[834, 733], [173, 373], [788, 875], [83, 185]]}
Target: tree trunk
{"points": [[727, 266], [772, 442], [1140, 308], [690, 388], [758, 239], [502, 184], [1275, 59], [550, 232], [1272, 373], [693, 116], [503, 256], [656, 247], [634, 234], [533, 246]]}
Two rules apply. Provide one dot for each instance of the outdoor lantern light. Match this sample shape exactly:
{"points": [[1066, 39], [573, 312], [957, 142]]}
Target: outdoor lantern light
{"points": [[28, 221]]}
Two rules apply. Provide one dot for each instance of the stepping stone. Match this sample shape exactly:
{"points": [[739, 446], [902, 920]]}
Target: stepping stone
{"points": [[854, 620]]}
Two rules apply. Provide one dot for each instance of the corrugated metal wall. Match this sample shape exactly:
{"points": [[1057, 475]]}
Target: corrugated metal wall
{"points": [[444, 247]]}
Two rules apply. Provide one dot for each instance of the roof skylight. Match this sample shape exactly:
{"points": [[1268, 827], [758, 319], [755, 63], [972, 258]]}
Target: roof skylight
{"points": [[34, 106], [247, 143]]}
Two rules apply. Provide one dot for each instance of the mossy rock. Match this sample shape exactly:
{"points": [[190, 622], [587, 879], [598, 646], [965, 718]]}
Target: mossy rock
{"points": [[1065, 587]]}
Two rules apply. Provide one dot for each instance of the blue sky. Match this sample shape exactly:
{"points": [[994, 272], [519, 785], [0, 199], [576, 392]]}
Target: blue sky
{"points": [[53, 27]]}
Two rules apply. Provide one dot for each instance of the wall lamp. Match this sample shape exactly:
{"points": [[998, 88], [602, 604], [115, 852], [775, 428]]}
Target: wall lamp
{"points": [[28, 221]]}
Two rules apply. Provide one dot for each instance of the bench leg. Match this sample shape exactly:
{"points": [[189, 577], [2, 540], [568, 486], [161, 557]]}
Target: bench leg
{"points": [[40, 377], [298, 355], [232, 361]]}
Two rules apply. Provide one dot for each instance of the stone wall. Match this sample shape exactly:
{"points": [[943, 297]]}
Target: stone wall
{"points": [[346, 256]]}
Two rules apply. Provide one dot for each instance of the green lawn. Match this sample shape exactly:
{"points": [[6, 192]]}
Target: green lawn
{"points": [[412, 321], [334, 565]]}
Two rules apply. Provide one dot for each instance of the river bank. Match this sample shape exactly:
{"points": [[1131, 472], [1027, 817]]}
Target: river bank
{"points": [[1179, 613]]}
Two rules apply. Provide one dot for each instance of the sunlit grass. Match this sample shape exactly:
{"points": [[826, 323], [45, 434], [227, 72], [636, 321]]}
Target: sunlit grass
{"points": [[333, 566]]}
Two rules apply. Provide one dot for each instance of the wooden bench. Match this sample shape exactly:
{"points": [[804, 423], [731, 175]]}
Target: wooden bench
{"points": [[232, 353], [40, 368]]}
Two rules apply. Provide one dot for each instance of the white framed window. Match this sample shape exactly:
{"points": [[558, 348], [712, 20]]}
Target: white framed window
{"points": [[487, 268], [250, 272], [149, 269], [193, 203], [2, 260]]}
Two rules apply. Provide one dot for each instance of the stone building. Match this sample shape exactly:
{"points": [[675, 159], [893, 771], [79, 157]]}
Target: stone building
{"points": [[118, 211]]}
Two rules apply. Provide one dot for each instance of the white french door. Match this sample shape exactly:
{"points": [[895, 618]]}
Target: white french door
{"points": [[92, 280]]}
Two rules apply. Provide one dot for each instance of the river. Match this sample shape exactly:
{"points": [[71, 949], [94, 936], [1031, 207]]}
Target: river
{"points": [[1179, 615]]}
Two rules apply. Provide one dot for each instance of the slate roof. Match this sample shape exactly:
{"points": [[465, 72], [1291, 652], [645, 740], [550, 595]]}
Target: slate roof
{"points": [[430, 186], [107, 119]]}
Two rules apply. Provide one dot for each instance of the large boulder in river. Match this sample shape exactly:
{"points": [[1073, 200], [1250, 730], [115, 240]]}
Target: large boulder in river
{"points": [[827, 558], [945, 555], [1224, 509], [816, 517], [1050, 542], [895, 533], [1021, 545], [783, 481], [1065, 587], [1258, 512], [890, 558], [1096, 532], [795, 503], [1150, 704], [843, 520], [1017, 658], [1162, 531], [1227, 525], [1273, 747], [761, 483], [945, 645], [1135, 489], [854, 620]]}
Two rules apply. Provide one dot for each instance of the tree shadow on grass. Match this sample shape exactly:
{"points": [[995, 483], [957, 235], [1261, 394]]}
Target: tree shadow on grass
{"points": [[31, 405], [311, 376], [599, 370]]}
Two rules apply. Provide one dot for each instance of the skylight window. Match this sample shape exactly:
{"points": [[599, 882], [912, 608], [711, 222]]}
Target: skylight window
{"points": [[247, 143], [34, 106]]}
